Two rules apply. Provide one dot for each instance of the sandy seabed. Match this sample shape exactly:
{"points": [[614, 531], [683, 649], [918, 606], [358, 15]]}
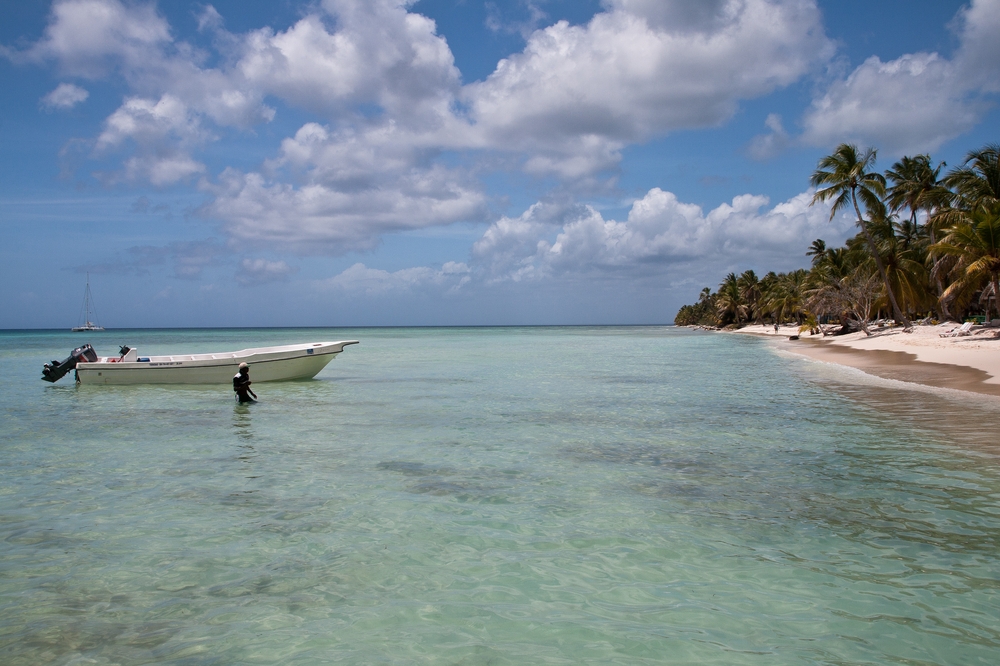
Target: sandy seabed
{"points": [[923, 356]]}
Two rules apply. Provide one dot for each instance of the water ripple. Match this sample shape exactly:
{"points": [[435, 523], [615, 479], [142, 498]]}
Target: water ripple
{"points": [[604, 496]]}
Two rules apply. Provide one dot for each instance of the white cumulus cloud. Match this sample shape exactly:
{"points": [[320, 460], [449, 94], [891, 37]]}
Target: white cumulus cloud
{"points": [[577, 94], [90, 37], [163, 132], [661, 235], [65, 96], [397, 143], [379, 53], [663, 240], [326, 218], [918, 101]]}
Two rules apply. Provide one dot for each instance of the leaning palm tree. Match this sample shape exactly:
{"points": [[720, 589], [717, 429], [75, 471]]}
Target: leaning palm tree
{"points": [[976, 244], [846, 176]]}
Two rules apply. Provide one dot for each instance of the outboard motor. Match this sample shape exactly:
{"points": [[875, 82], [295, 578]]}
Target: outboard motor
{"points": [[54, 371]]}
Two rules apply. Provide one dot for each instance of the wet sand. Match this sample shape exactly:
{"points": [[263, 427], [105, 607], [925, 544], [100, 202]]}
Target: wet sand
{"points": [[967, 363], [902, 366]]}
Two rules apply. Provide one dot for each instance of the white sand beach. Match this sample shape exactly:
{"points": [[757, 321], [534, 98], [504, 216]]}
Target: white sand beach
{"points": [[969, 362]]}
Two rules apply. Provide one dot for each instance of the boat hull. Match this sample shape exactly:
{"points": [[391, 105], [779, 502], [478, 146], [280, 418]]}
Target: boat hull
{"points": [[267, 364]]}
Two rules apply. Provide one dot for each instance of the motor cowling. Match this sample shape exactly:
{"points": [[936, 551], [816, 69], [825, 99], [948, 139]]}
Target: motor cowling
{"points": [[56, 370]]}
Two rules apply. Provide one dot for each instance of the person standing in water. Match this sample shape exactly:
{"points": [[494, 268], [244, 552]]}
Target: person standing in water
{"points": [[241, 384]]}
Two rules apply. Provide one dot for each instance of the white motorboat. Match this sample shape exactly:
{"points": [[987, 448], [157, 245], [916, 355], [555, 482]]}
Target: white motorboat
{"points": [[267, 364]]}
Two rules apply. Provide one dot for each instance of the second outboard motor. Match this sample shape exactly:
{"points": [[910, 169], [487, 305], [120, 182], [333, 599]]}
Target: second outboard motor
{"points": [[56, 370]]}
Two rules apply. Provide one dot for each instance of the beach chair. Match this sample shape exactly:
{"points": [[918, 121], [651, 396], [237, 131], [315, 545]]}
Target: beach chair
{"points": [[964, 329]]}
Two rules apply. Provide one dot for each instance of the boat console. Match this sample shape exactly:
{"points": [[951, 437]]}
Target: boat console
{"points": [[126, 355]]}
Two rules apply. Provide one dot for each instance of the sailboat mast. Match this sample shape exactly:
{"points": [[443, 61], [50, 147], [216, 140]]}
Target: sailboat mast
{"points": [[88, 310], [86, 300]]}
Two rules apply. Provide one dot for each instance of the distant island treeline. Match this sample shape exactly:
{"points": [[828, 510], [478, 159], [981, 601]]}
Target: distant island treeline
{"points": [[928, 246]]}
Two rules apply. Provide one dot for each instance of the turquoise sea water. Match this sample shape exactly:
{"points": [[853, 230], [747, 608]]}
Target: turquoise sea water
{"points": [[496, 496]]}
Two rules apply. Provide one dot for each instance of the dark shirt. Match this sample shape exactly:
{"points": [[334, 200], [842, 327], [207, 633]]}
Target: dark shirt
{"points": [[241, 384]]}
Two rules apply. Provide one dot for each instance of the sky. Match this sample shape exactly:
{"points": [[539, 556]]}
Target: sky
{"points": [[450, 162]]}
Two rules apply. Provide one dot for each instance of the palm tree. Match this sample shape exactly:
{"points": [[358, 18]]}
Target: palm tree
{"points": [[784, 294], [817, 251], [905, 264], [750, 292], [976, 245], [916, 186], [829, 282], [847, 177], [976, 186], [729, 301], [700, 314], [977, 181]]}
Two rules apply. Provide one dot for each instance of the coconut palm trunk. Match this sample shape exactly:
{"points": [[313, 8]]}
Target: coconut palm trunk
{"points": [[996, 297], [944, 310]]}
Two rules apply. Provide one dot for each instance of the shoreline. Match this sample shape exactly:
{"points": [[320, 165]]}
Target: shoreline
{"points": [[969, 363]]}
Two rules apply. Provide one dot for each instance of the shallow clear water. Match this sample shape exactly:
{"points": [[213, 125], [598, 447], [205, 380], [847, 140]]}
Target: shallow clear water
{"points": [[496, 496]]}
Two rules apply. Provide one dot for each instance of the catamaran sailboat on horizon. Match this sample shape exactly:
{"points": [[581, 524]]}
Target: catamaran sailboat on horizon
{"points": [[88, 324]]}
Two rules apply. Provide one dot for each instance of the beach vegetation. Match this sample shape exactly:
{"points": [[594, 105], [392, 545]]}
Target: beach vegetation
{"points": [[846, 176], [928, 247], [729, 303], [702, 313], [975, 242]]}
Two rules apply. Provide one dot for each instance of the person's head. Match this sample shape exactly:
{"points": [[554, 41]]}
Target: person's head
{"points": [[244, 368]]}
